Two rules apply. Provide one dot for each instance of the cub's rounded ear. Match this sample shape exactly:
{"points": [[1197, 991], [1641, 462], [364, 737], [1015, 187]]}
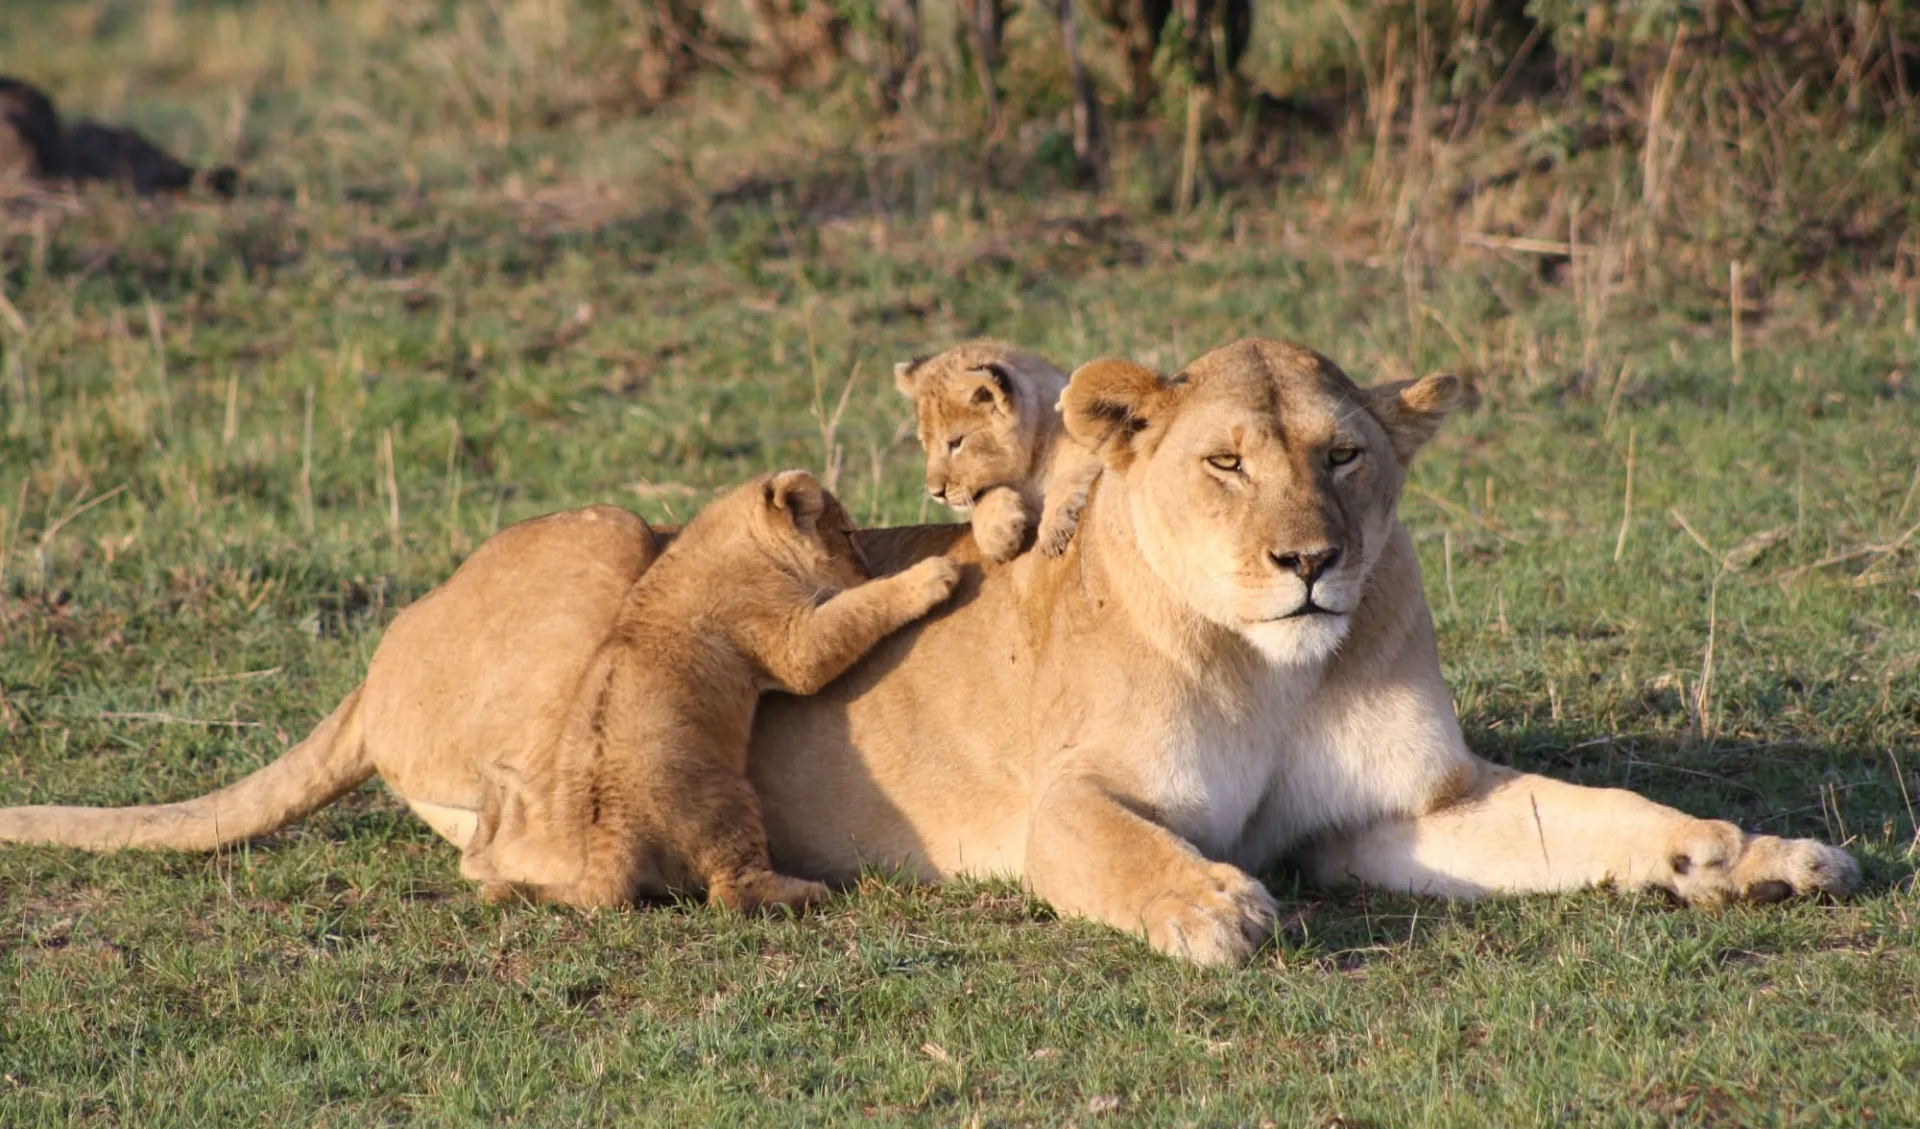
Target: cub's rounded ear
{"points": [[906, 376], [993, 388], [1412, 410], [798, 496], [1114, 408]]}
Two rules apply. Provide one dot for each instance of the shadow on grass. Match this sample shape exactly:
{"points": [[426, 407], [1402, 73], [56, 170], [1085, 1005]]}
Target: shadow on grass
{"points": [[158, 251], [1790, 787]]}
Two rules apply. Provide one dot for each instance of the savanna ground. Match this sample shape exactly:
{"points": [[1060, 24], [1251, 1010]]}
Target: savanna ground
{"points": [[237, 438]]}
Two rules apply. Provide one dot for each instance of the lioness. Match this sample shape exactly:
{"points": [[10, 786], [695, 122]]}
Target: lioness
{"points": [[988, 416], [1233, 662], [645, 791]]}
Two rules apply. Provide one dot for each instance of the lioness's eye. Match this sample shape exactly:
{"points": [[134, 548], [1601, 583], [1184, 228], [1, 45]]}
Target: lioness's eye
{"points": [[1341, 456], [953, 444], [1224, 462]]}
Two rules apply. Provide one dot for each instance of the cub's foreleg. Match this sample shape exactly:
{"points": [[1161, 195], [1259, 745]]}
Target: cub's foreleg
{"points": [[1066, 498], [818, 644], [1000, 521]]}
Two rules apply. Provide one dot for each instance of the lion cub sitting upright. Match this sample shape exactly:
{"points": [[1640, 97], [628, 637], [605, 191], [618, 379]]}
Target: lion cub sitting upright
{"points": [[645, 789], [988, 416]]}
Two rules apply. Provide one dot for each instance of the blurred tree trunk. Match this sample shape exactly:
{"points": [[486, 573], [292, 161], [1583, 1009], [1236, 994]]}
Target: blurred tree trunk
{"points": [[1136, 26], [797, 41], [983, 24]]}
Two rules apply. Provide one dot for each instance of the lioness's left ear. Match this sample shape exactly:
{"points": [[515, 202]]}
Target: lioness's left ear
{"points": [[1110, 406], [798, 496], [1411, 410]]}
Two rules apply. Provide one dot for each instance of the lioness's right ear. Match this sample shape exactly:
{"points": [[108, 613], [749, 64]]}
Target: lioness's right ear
{"points": [[906, 376], [1111, 407], [798, 497]]}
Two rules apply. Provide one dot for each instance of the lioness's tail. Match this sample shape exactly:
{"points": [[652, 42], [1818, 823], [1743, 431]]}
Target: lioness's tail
{"points": [[331, 762]]}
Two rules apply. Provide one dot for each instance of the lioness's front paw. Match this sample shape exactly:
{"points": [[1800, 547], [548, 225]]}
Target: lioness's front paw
{"points": [[1000, 525], [931, 581], [1711, 862], [1220, 919]]}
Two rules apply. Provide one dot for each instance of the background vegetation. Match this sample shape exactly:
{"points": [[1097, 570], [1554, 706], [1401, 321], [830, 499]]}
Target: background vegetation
{"points": [[494, 259]]}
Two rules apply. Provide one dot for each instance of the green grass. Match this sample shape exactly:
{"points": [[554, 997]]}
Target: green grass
{"points": [[645, 310]]}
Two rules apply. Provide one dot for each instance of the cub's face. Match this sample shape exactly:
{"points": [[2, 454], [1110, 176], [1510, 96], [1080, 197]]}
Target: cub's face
{"points": [[1263, 485], [978, 408], [972, 444]]}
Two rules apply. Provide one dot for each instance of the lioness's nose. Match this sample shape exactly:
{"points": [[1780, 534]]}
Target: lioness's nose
{"points": [[1307, 564]]}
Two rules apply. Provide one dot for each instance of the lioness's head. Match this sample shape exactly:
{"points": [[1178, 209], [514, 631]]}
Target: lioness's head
{"points": [[803, 529], [1262, 483], [982, 409]]}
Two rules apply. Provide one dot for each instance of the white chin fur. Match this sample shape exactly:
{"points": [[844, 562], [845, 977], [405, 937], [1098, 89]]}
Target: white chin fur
{"points": [[1297, 642]]}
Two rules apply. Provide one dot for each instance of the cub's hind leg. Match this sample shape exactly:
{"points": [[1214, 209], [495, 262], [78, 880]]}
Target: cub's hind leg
{"points": [[717, 831]]}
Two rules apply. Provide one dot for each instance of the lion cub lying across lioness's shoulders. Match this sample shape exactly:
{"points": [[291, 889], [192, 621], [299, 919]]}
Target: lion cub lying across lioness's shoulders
{"points": [[645, 790], [988, 415]]}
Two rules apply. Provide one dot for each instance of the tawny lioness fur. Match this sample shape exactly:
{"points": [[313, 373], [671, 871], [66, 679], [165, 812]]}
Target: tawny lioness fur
{"points": [[645, 791], [988, 417], [1232, 663]]}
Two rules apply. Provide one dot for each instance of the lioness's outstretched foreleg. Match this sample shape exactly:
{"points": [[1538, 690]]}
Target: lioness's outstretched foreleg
{"points": [[1513, 832], [1091, 855], [331, 762]]}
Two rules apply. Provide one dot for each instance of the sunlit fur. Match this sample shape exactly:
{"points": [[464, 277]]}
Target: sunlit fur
{"points": [[1125, 728], [987, 415], [645, 791]]}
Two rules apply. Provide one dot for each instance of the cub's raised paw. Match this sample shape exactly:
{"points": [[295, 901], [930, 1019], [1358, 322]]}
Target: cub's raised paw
{"points": [[932, 581], [1000, 525], [752, 892], [1220, 918], [1712, 862], [1057, 534]]}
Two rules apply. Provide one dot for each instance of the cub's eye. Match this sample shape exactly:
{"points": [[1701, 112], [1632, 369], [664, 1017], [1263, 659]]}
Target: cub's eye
{"points": [[953, 444], [1341, 456], [1228, 463]]}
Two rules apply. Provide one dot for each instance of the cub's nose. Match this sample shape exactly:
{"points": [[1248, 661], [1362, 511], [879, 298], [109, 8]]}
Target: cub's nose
{"points": [[1307, 564]]}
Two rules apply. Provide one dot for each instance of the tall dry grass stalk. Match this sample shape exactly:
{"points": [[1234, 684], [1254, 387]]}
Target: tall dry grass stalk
{"points": [[1626, 500], [1733, 300], [306, 463], [391, 483]]}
